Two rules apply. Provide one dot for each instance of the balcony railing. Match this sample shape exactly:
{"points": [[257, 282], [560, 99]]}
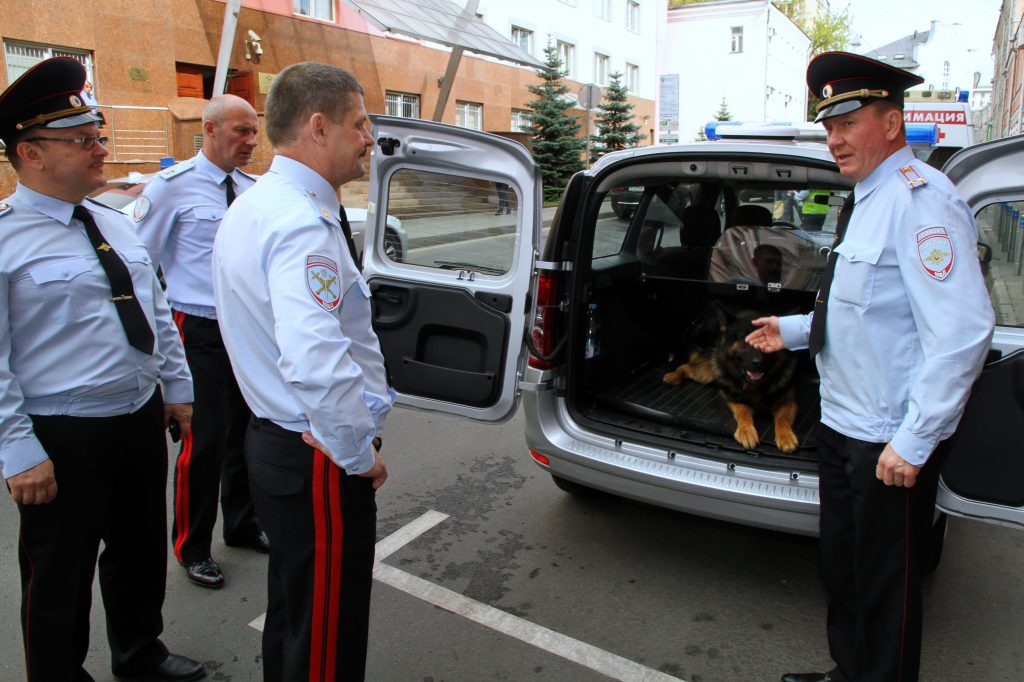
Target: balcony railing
{"points": [[137, 133]]}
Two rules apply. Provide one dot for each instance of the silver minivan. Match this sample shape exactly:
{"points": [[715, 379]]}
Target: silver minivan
{"points": [[578, 311]]}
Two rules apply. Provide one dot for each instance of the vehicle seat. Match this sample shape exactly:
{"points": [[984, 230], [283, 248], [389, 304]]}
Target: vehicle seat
{"points": [[752, 215]]}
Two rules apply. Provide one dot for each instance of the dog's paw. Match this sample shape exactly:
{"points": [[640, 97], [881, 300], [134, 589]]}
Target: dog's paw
{"points": [[786, 441], [673, 378], [746, 435]]}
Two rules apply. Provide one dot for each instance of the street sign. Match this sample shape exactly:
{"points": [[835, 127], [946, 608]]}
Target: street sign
{"points": [[668, 139], [590, 96]]}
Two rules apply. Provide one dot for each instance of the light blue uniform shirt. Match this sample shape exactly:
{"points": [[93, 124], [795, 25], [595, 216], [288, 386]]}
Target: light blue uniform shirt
{"points": [[177, 218], [909, 319], [295, 315], [63, 350]]}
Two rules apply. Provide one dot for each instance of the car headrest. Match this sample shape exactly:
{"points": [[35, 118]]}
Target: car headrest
{"points": [[752, 214], [700, 227]]}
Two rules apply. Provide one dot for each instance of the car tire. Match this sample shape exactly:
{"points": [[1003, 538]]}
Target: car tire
{"points": [[571, 487], [393, 246]]}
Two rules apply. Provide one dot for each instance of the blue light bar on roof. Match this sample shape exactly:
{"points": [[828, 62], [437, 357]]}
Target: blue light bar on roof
{"points": [[964, 96], [922, 133]]}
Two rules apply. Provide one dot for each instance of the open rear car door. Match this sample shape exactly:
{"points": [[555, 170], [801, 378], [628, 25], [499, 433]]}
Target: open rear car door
{"points": [[983, 477], [452, 311]]}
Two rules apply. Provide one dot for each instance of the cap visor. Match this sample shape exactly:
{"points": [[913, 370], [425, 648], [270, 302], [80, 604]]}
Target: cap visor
{"points": [[72, 121], [839, 109]]}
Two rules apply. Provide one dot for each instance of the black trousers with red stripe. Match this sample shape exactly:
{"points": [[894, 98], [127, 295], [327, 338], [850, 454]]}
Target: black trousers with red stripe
{"points": [[874, 539], [322, 525], [211, 457], [111, 486]]}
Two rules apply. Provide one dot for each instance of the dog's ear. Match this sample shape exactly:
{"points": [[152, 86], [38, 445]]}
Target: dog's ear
{"points": [[725, 318]]}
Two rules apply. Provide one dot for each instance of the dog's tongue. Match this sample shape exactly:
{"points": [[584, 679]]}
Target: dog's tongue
{"points": [[755, 376]]}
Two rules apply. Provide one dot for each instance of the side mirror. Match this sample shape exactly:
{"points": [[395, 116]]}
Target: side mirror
{"points": [[984, 253]]}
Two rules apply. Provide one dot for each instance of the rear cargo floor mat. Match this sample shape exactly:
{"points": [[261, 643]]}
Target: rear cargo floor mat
{"points": [[701, 408]]}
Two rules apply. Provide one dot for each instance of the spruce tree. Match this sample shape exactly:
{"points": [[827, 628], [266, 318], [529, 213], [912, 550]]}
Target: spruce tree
{"points": [[555, 145], [723, 112], [615, 127]]}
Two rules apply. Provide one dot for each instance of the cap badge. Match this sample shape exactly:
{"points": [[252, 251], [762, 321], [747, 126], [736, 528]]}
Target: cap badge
{"points": [[826, 91], [74, 101]]}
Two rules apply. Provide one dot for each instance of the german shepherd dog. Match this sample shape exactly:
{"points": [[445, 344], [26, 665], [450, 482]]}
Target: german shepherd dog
{"points": [[748, 379]]}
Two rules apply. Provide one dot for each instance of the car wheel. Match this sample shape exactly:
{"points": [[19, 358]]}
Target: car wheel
{"points": [[393, 246], [619, 211], [936, 539], [571, 487]]}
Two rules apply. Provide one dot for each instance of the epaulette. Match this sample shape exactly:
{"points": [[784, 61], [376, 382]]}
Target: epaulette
{"points": [[912, 177], [177, 169], [5, 208], [324, 214]]}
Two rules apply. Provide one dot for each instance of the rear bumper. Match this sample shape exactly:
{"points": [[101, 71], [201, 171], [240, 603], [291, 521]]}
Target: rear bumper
{"points": [[774, 499]]}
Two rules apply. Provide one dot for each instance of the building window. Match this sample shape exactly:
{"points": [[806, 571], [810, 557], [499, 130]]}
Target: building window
{"points": [[601, 68], [521, 121], [469, 115], [567, 53], [632, 78], [23, 56], [402, 104], [737, 39], [633, 15], [523, 38], [318, 9], [603, 9]]}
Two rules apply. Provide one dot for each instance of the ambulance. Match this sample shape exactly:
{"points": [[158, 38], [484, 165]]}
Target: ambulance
{"points": [[954, 121]]}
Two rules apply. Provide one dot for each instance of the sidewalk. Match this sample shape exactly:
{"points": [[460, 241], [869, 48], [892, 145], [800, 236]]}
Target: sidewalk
{"points": [[433, 231]]}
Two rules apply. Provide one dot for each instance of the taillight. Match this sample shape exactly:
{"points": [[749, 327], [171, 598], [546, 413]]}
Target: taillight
{"points": [[542, 334], [542, 459]]}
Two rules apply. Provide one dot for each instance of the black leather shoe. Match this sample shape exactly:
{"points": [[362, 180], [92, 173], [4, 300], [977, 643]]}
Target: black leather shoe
{"points": [[260, 543], [806, 677], [205, 573], [174, 668]]}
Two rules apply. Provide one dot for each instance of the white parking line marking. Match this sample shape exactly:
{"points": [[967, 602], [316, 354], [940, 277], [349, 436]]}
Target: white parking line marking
{"points": [[581, 653]]}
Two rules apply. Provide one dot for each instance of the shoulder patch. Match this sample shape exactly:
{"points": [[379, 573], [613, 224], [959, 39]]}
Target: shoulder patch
{"points": [[935, 249], [141, 210], [177, 169], [912, 177], [322, 281], [5, 208]]}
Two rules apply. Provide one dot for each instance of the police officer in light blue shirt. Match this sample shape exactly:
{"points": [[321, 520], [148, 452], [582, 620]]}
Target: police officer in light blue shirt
{"points": [[177, 217], [87, 344], [295, 314], [900, 331]]}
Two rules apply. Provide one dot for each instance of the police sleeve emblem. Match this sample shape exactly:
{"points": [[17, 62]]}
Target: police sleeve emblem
{"points": [[935, 249], [141, 210], [322, 281]]}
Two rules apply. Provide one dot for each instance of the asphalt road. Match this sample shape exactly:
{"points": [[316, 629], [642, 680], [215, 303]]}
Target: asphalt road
{"points": [[524, 582]]}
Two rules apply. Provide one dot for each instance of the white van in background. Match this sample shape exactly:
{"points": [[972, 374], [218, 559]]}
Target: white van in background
{"points": [[955, 123]]}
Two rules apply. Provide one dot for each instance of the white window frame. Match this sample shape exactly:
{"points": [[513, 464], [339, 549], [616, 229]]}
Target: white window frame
{"points": [[633, 16], [317, 8], [567, 53], [520, 122], [522, 35], [736, 44], [469, 115], [402, 104], [603, 9], [20, 56], [632, 78], [602, 66]]}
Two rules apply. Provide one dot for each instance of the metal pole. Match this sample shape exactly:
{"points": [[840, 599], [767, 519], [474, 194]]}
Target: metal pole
{"points": [[448, 80], [227, 37]]}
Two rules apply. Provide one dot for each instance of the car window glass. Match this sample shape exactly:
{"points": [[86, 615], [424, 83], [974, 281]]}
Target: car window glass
{"points": [[1001, 237], [453, 222], [612, 223]]}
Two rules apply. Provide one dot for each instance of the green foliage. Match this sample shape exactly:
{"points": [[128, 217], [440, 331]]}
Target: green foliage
{"points": [[701, 135], [614, 120], [723, 113], [555, 145], [828, 32]]}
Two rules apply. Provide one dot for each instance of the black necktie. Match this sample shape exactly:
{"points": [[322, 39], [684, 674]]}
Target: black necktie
{"points": [[347, 229], [133, 319], [229, 189], [816, 339]]}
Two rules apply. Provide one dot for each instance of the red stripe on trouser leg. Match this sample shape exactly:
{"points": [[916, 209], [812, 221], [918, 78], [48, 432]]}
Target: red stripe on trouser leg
{"points": [[181, 516], [27, 607], [906, 582], [323, 654]]}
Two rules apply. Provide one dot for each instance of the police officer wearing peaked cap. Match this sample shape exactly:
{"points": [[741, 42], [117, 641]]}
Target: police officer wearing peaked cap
{"points": [[900, 330], [88, 341]]}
